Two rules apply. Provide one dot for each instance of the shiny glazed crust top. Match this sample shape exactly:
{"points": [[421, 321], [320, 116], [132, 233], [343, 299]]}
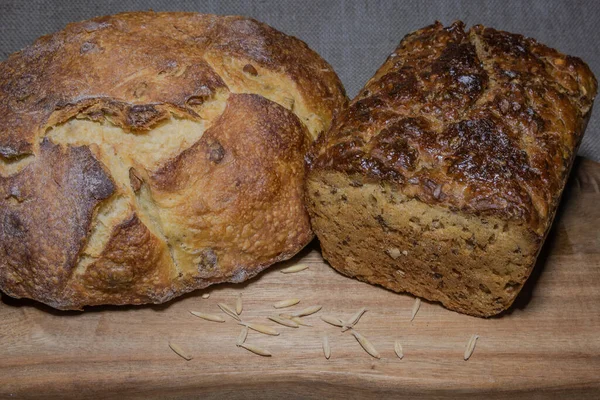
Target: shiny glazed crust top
{"points": [[482, 121]]}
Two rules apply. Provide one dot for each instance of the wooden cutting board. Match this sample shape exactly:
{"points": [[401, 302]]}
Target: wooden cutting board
{"points": [[547, 346]]}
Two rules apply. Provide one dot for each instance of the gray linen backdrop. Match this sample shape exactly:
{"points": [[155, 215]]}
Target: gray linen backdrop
{"points": [[355, 37]]}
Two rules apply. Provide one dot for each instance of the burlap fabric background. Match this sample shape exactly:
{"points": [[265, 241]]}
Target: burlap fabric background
{"points": [[354, 36]]}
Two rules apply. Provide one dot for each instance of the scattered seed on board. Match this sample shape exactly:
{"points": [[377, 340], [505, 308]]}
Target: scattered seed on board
{"points": [[353, 319], [206, 295], [267, 330], [286, 303], [369, 348], [332, 320], [283, 321], [239, 305], [299, 321], [307, 311], [398, 349], [227, 310], [242, 337], [326, 348], [256, 350], [180, 352], [470, 346], [208, 317], [415, 308], [294, 268]]}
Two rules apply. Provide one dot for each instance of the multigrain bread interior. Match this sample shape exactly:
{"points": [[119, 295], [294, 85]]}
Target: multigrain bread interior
{"points": [[442, 177], [145, 155]]}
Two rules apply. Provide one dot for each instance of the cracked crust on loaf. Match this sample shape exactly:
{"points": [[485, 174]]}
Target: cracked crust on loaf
{"points": [[144, 155]]}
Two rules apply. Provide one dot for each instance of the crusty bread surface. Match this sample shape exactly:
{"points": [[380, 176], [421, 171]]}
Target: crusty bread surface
{"points": [[145, 155], [443, 175]]}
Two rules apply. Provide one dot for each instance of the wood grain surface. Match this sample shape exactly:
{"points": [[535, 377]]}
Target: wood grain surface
{"points": [[546, 346]]}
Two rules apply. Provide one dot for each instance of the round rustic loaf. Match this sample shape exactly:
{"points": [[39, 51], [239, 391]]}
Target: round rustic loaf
{"points": [[145, 155]]}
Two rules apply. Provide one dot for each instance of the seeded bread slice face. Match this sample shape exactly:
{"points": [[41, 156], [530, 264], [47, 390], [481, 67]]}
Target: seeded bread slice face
{"points": [[372, 232]]}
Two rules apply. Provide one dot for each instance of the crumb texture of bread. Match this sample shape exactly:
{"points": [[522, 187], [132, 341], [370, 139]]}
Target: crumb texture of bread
{"points": [[144, 155], [443, 175]]}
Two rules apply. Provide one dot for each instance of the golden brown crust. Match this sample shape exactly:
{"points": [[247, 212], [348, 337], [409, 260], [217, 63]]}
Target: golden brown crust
{"points": [[241, 195], [40, 242], [134, 268], [482, 121], [143, 59], [99, 207]]}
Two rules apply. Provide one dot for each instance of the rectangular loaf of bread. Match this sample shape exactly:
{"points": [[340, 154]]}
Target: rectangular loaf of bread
{"points": [[444, 174]]}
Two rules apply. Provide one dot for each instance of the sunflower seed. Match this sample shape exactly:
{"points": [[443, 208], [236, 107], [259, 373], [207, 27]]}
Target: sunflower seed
{"points": [[227, 310], [398, 349], [286, 303], [180, 352], [299, 321], [239, 305], [326, 348], [206, 295], [415, 308], [353, 319], [283, 321], [208, 317], [242, 337], [332, 320], [267, 330], [294, 268], [470, 346], [307, 311], [256, 350], [366, 344]]}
